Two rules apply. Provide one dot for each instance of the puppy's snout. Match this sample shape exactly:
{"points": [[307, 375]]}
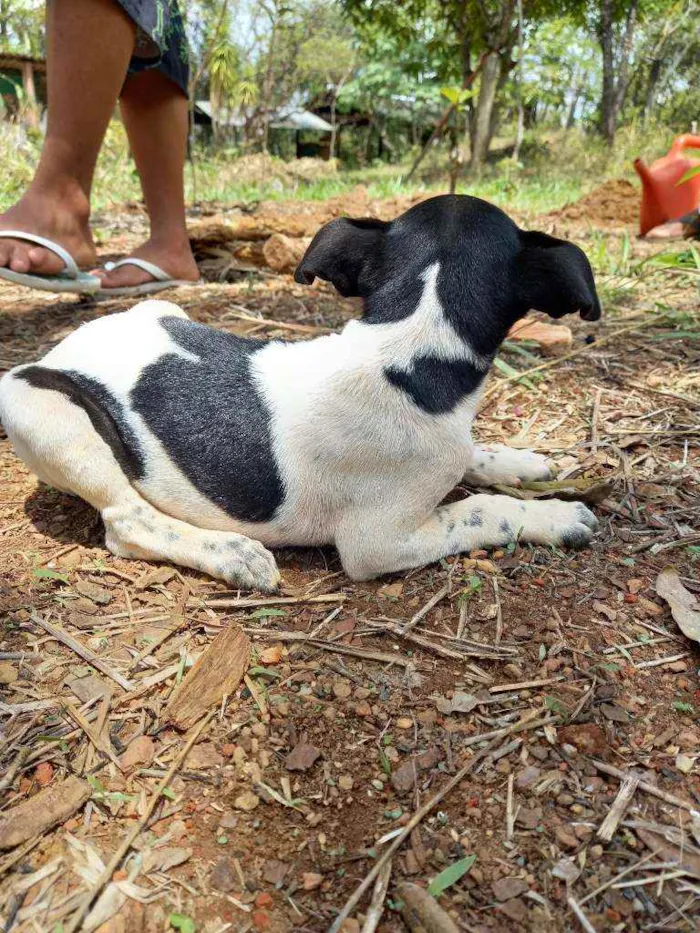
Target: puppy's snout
{"points": [[591, 313]]}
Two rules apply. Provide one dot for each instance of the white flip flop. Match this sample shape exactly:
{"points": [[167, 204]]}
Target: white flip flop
{"points": [[161, 279], [70, 280]]}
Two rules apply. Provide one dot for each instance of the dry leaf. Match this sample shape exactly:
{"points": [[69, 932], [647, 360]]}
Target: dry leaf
{"points": [[421, 912], [685, 608]]}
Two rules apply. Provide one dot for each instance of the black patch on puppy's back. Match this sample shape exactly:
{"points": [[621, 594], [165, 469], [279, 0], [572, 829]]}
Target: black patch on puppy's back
{"points": [[435, 385], [212, 420], [105, 412]]}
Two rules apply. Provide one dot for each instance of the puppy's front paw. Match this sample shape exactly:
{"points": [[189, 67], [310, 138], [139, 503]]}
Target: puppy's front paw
{"points": [[562, 524], [245, 563], [506, 466]]}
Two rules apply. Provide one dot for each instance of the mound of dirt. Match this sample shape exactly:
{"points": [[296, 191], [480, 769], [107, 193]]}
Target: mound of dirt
{"points": [[612, 204], [261, 166]]}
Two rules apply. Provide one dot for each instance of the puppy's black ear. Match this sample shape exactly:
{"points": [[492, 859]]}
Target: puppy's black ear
{"points": [[556, 277], [346, 253]]}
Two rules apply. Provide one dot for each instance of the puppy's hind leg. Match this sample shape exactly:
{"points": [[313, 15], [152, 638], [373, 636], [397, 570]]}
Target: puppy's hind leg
{"points": [[134, 528], [54, 429]]}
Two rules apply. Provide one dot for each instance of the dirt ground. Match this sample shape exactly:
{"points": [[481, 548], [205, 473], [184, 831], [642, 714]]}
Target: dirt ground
{"points": [[539, 682]]}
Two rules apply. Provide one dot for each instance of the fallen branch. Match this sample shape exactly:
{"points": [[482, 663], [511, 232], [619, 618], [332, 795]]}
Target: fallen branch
{"points": [[376, 907], [113, 864], [515, 377], [648, 788], [85, 653], [215, 603], [419, 815]]}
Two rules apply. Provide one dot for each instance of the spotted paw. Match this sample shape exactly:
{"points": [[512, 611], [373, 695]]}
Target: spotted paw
{"points": [[245, 563], [506, 466], [563, 524]]}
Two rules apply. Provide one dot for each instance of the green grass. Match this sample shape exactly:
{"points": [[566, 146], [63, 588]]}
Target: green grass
{"points": [[556, 167]]}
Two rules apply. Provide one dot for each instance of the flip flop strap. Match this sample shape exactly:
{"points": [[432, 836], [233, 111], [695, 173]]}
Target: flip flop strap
{"points": [[71, 271], [158, 274]]}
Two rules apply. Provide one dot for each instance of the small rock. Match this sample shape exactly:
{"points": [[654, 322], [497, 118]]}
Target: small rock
{"points": [[274, 873], [685, 763], [140, 753], [260, 920], [204, 756], [614, 713], [506, 888], [403, 722], [283, 253], [350, 926], [587, 738], [403, 777], [8, 673], [264, 899], [228, 821], [310, 880], [246, 801], [567, 870], [566, 838], [341, 689], [514, 909], [529, 818], [345, 782], [44, 773], [677, 667], [553, 339], [87, 688], [363, 709], [528, 776], [302, 757]]}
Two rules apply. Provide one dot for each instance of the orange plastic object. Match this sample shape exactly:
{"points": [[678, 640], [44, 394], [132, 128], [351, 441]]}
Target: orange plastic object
{"points": [[663, 199]]}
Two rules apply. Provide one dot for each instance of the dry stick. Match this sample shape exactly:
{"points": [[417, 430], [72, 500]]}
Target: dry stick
{"points": [[572, 353], [427, 807], [376, 907], [422, 613], [383, 656], [648, 788], [594, 421], [499, 612], [113, 864], [271, 601], [282, 325], [101, 743], [627, 790], [580, 916], [626, 871], [85, 653]]}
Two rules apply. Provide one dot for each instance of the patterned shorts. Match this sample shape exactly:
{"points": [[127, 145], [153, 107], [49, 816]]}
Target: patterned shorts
{"points": [[160, 40]]}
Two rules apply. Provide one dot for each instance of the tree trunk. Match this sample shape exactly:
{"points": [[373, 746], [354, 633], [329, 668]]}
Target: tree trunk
{"points": [[607, 102], [520, 81], [490, 74], [614, 88], [652, 81]]}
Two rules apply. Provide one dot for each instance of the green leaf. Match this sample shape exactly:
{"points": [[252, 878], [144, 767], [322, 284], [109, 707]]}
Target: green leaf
{"points": [[681, 707], [45, 573], [167, 792], [384, 761], [258, 671], [691, 173], [268, 613], [450, 875], [181, 922], [542, 652]]}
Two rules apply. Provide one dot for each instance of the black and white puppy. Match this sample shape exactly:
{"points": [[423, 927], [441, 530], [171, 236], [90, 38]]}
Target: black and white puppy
{"points": [[200, 447]]}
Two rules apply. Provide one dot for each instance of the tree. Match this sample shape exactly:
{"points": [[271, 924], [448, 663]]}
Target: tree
{"points": [[327, 61], [615, 27]]}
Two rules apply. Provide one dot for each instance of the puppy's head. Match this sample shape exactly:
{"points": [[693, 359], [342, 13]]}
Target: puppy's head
{"points": [[491, 272]]}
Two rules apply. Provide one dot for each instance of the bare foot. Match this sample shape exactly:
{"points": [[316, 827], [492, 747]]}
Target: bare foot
{"points": [[175, 258], [63, 219]]}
